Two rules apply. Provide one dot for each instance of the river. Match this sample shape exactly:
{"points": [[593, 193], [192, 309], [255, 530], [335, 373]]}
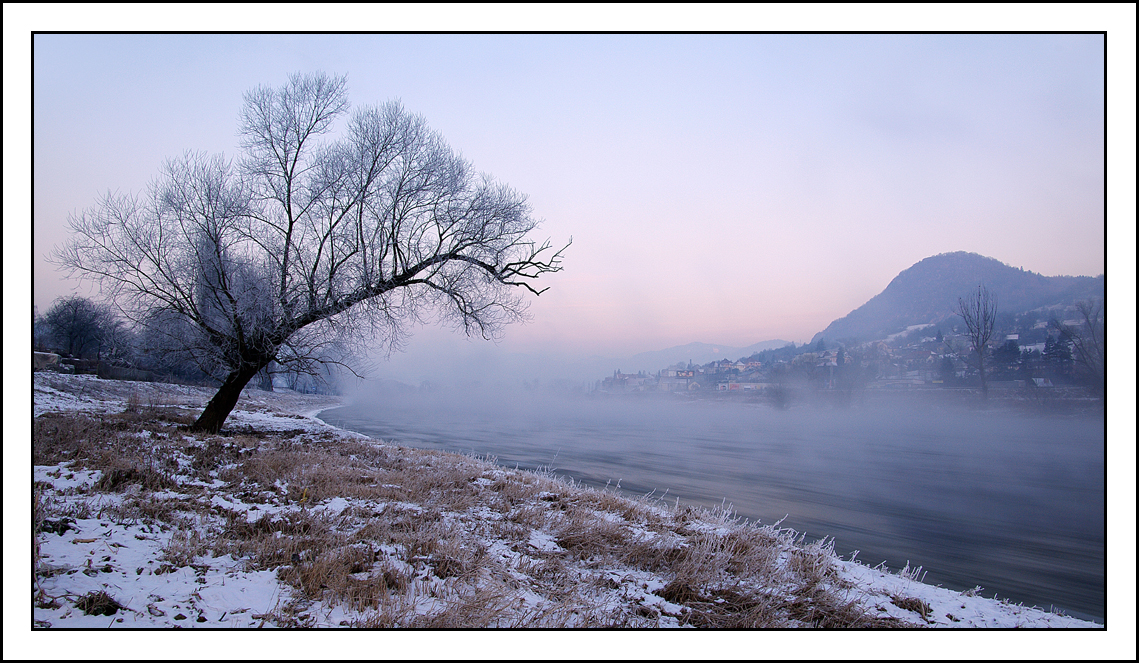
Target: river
{"points": [[1011, 502]]}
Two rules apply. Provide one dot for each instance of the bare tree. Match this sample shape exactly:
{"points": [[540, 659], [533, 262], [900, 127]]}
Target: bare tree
{"points": [[980, 314], [307, 242], [1089, 342], [118, 343], [41, 335], [78, 326]]}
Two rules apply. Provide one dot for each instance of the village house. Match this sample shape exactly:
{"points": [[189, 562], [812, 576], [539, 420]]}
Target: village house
{"points": [[628, 382], [743, 386]]}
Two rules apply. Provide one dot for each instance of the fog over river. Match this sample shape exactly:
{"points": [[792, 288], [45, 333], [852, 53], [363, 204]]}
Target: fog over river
{"points": [[1011, 502]]}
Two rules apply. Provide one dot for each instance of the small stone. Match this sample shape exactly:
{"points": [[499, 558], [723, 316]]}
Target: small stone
{"points": [[179, 616]]}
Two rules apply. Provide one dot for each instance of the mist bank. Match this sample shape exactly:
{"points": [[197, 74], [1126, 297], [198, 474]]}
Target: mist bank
{"points": [[433, 359]]}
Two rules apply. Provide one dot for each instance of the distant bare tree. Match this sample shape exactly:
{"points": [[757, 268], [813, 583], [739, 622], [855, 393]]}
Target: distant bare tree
{"points": [[980, 314], [1089, 342], [41, 335], [119, 343], [78, 326], [304, 244]]}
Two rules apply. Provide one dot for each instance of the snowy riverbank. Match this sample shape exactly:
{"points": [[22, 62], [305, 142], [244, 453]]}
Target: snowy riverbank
{"points": [[242, 531]]}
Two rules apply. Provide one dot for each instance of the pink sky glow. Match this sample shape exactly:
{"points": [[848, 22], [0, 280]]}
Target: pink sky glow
{"points": [[718, 188]]}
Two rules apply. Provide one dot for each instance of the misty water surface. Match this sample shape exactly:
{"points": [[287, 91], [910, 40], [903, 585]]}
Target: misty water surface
{"points": [[1013, 503]]}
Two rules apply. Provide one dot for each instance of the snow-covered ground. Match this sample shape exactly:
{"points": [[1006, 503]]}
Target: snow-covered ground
{"points": [[95, 554]]}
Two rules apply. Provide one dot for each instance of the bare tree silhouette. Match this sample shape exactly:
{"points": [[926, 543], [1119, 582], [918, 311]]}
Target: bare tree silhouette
{"points": [[1089, 342], [980, 314], [305, 243]]}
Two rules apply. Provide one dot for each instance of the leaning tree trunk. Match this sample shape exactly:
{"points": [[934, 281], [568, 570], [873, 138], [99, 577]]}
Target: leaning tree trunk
{"points": [[223, 402]]}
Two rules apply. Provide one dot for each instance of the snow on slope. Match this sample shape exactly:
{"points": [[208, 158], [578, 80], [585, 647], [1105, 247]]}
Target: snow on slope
{"points": [[130, 561]]}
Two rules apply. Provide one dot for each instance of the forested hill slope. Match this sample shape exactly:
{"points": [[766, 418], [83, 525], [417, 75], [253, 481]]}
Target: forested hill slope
{"points": [[928, 293]]}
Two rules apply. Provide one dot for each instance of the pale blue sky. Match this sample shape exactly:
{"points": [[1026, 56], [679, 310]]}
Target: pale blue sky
{"points": [[721, 188]]}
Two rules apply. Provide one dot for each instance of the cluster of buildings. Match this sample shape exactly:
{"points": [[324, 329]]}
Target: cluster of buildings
{"points": [[912, 362]]}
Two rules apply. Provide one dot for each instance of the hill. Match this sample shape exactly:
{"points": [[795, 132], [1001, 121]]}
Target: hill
{"points": [[927, 293]]}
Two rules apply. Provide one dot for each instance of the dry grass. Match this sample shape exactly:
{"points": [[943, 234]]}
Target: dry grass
{"points": [[39, 515], [434, 540], [914, 605], [185, 547], [588, 536], [98, 603]]}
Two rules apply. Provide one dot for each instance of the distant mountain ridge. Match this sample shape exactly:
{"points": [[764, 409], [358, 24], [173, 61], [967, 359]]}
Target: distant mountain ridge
{"points": [[927, 293]]}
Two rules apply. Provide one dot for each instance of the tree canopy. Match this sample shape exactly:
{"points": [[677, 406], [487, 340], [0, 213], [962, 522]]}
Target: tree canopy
{"points": [[78, 326], [306, 242]]}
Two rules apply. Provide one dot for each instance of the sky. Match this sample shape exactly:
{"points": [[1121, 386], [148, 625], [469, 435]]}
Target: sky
{"points": [[720, 188]]}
